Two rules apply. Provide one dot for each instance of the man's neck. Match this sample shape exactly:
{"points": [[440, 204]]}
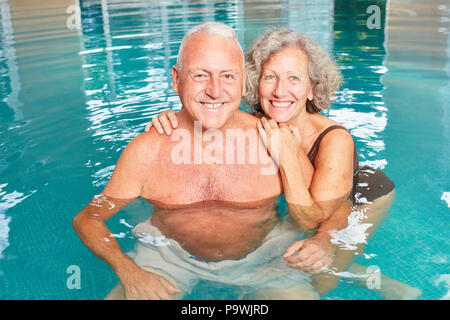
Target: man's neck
{"points": [[187, 122]]}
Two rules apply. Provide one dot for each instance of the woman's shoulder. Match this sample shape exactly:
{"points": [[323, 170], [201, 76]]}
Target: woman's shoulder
{"points": [[322, 122], [333, 133]]}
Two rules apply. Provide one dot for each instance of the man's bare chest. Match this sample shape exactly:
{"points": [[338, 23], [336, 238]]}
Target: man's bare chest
{"points": [[185, 184]]}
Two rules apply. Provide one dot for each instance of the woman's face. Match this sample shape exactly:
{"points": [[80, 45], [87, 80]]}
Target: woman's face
{"points": [[284, 85]]}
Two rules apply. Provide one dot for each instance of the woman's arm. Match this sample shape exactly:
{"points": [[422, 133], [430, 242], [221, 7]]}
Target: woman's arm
{"points": [[317, 252], [332, 181], [331, 184]]}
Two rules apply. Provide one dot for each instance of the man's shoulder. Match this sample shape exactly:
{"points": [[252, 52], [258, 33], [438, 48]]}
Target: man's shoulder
{"points": [[144, 146], [145, 138], [246, 120], [133, 167]]}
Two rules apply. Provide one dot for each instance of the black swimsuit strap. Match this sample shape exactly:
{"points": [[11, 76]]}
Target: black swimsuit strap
{"points": [[312, 154]]}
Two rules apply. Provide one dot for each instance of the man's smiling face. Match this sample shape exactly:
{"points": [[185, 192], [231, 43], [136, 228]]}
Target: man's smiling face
{"points": [[211, 81]]}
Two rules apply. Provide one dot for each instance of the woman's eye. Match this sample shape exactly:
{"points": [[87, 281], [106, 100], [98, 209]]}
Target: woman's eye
{"points": [[294, 78], [269, 77]]}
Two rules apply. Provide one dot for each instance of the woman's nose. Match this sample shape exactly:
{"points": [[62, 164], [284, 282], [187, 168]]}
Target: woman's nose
{"points": [[280, 88]]}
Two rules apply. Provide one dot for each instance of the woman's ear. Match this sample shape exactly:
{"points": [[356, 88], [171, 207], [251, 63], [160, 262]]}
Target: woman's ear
{"points": [[310, 96]]}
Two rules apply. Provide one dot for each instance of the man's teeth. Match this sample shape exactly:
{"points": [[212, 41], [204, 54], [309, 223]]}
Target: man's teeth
{"points": [[212, 105], [281, 104]]}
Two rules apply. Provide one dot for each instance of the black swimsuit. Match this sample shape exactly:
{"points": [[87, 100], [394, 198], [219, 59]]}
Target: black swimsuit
{"points": [[368, 183]]}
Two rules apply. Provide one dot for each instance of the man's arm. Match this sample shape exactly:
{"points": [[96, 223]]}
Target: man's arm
{"points": [[125, 185], [90, 226]]}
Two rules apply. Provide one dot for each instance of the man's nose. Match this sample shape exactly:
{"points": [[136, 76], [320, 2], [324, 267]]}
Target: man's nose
{"points": [[214, 88]]}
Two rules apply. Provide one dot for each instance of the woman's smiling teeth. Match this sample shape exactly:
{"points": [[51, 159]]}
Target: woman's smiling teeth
{"points": [[279, 104]]}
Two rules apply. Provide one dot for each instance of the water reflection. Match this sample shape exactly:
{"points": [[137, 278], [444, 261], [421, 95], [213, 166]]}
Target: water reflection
{"points": [[10, 80], [360, 54], [417, 138], [127, 51], [10, 112], [7, 200], [314, 18], [10, 88]]}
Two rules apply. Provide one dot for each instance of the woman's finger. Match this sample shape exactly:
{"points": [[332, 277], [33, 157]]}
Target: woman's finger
{"points": [[148, 126], [295, 132], [307, 251], [297, 245], [157, 125], [173, 118], [165, 123], [303, 261], [262, 133], [284, 126], [266, 124], [273, 124], [312, 259], [268, 129], [302, 264], [317, 267], [315, 257]]}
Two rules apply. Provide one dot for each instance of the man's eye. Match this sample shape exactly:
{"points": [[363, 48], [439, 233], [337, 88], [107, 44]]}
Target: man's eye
{"points": [[199, 76], [229, 77]]}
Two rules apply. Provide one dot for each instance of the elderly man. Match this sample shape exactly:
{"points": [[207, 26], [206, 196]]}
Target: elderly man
{"points": [[212, 220]]}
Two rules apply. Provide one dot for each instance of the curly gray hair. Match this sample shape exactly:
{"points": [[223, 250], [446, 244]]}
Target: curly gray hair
{"points": [[323, 72]]}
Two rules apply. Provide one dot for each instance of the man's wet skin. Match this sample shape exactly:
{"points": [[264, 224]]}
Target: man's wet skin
{"points": [[217, 230], [195, 205]]}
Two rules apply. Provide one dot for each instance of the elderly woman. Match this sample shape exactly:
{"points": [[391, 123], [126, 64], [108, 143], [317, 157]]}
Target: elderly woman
{"points": [[290, 79]]}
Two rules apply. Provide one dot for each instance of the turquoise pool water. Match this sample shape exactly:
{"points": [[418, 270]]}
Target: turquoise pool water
{"points": [[71, 99]]}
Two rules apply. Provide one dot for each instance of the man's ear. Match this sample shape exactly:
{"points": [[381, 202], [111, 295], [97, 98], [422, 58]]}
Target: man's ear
{"points": [[244, 83], [175, 78]]}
